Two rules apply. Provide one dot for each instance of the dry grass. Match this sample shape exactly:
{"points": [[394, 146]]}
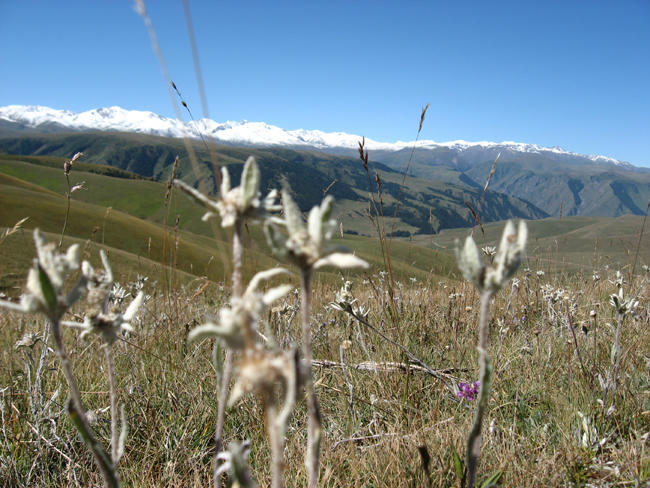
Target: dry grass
{"points": [[533, 438]]}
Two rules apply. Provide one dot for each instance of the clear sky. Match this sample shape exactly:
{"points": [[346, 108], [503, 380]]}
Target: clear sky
{"points": [[572, 73]]}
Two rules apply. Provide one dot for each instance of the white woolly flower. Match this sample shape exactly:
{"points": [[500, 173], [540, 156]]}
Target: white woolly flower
{"points": [[236, 322], [344, 301], [99, 320], [44, 289], [509, 256], [307, 245], [259, 371], [235, 203], [108, 325], [622, 304]]}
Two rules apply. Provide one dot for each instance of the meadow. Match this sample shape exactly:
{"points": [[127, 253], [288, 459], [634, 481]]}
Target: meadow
{"points": [[392, 350]]}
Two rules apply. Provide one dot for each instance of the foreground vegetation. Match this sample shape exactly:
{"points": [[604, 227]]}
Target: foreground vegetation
{"points": [[385, 424]]}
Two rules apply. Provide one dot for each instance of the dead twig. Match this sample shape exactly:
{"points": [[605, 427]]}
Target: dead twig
{"points": [[386, 367]]}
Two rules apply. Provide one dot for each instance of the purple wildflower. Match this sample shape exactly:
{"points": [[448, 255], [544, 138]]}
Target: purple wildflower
{"points": [[468, 391]]}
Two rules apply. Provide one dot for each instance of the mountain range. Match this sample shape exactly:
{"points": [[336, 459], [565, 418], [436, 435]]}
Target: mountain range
{"points": [[553, 180], [260, 134]]}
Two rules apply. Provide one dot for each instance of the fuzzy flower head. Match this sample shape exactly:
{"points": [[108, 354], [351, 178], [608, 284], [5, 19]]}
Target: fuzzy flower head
{"points": [[490, 252], [260, 370], [509, 256], [99, 320], [307, 244], [622, 304], [99, 284], [107, 326], [235, 324], [234, 461], [344, 299], [45, 280], [239, 203]]}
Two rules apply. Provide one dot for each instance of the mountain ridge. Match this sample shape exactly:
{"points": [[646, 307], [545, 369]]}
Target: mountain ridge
{"points": [[554, 181], [259, 134]]}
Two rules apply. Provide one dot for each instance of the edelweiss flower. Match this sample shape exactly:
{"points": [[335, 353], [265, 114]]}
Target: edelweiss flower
{"points": [[108, 325], [260, 370], [99, 320], [507, 260], [307, 246], [236, 323], [623, 304], [45, 280], [236, 203], [344, 298]]}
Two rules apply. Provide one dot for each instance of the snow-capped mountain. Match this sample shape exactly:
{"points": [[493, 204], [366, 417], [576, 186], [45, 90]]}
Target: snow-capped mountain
{"points": [[259, 133]]}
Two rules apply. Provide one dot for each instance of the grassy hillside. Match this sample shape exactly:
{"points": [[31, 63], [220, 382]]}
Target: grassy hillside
{"points": [[135, 224], [573, 243], [594, 190], [425, 205]]}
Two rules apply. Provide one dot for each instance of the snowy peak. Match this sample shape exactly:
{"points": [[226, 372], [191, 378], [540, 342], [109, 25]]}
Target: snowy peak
{"points": [[251, 133]]}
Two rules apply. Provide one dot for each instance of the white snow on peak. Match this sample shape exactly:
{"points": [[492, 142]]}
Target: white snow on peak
{"points": [[247, 133]]}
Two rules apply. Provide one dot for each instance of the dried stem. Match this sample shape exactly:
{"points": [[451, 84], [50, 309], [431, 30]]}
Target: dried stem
{"points": [[612, 377], [67, 208], [575, 342], [409, 354], [314, 421], [474, 439]]}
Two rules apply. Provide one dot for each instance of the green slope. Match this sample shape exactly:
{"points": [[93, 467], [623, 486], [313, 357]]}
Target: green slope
{"points": [[592, 191], [425, 205], [135, 225], [570, 243]]}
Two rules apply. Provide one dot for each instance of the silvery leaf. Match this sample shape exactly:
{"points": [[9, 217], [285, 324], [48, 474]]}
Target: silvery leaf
{"points": [[250, 181], [133, 307], [264, 276], [275, 293], [195, 194], [292, 215], [341, 260]]}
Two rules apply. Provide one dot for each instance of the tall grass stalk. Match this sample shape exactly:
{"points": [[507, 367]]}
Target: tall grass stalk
{"points": [[68, 194]]}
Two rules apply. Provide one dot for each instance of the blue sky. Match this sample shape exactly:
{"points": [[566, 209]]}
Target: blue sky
{"points": [[574, 74]]}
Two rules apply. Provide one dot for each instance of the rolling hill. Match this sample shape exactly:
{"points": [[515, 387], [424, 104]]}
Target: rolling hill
{"points": [[425, 205]]}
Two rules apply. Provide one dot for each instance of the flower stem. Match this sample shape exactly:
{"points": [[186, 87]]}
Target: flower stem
{"points": [[237, 253], [485, 374], [314, 421], [110, 370], [276, 441], [78, 414]]}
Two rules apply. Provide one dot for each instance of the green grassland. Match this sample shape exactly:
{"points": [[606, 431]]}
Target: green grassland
{"points": [[566, 244], [140, 223]]}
